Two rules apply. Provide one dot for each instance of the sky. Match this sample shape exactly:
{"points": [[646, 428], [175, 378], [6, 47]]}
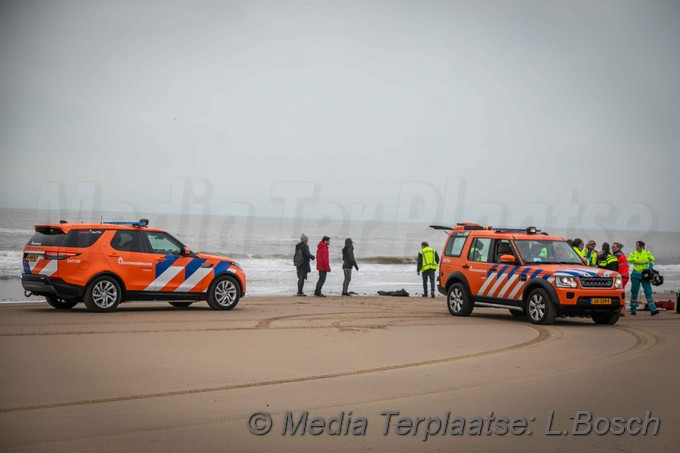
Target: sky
{"points": [[555, 113]]}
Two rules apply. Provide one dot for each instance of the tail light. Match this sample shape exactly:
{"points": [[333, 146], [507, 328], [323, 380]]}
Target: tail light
{"points": [[60, 255]]}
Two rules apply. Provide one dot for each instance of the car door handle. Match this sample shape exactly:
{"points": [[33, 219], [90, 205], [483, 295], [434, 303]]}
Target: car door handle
{"points": [[492, 270], [465, 266], [160, 260], [114, 255]]}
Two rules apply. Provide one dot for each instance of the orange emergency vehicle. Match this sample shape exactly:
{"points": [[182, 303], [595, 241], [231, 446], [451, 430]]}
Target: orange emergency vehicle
{"points": [[530, 273], [105, 264]]}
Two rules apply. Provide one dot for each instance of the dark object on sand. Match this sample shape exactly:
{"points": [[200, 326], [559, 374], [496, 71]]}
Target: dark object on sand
{"points": [[400, 293]]}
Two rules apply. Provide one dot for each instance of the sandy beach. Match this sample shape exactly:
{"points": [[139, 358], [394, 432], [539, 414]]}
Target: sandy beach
{"points": [[149, 377]]}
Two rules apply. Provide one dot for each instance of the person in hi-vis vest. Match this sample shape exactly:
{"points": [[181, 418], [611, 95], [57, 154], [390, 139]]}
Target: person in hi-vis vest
{"points": [[428, 261]]}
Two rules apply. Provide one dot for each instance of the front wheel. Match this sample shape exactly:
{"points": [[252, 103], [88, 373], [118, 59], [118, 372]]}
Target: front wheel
{"points": [[540, 308], [60, 304], [459, 301], [224, 293], [103, 294], [606, 317]]}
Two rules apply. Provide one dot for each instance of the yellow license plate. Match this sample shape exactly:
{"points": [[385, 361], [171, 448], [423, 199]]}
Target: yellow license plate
{"points": [[31, 257], [601, 301]]}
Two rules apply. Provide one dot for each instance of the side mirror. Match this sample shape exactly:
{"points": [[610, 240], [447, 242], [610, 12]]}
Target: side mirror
{"points": [[507, 259], [186, 251]]}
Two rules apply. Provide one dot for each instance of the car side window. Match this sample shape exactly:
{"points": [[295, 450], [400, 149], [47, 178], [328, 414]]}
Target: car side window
{"points": [[503, 247], [162, 243], [479, 250], [455, 245], [127, 241]]}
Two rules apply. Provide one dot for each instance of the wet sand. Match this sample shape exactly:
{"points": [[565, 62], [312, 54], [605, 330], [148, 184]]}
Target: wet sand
{"points": [[150, 377]]}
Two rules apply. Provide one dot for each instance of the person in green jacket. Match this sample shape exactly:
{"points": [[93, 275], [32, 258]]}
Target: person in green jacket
{"points": [[590, 254], [641, 259], [577, 245]]}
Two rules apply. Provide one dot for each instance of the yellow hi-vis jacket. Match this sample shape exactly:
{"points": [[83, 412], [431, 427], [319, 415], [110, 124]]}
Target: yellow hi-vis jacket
{"points": [[427, 259], [641, 260]]}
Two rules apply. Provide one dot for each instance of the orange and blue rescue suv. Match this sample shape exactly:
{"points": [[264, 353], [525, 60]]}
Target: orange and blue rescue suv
{"points": [[105, 264], [529, 272]]}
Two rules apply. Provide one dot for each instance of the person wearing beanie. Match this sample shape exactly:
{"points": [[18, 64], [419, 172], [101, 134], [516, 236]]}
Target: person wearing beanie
{"points": [[348, 262], [590, 254], [323, 264], [303, 268]]}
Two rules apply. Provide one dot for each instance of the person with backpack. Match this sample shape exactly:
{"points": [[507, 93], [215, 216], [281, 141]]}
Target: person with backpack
{"points": [[301, 261], [348, 262], [323, 264], [606, 260]]}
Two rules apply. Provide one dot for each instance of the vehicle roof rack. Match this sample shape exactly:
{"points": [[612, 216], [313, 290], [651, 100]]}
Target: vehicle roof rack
{"points": [[140, 224], [441, 227], [528, 230]]}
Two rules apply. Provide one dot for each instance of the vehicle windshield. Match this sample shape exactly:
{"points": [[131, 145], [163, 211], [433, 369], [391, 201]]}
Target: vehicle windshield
{"points": [[547, 252]]}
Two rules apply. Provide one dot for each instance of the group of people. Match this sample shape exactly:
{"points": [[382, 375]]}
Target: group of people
{"points": [[428, 262], [323, 265], [614, 259]]}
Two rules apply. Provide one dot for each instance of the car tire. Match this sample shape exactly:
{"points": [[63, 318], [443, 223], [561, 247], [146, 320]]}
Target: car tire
{"points": [[607, 317], [458, 300], [224, 293], [60, 304], [103, 294], [180, 304], [540, 308]]}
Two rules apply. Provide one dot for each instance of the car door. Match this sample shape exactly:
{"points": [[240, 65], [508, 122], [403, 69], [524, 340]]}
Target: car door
{"points": [[479, 266], [173, 272], [126, 256]]}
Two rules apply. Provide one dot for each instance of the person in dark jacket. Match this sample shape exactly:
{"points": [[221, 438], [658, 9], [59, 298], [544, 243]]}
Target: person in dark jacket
{"points": [[323, 264], [606, 260], [348, 262], [304, 268]]}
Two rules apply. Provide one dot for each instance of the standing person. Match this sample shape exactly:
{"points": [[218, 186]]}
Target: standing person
{"points": [[428, 259], [623, 268], [323, 264], [590, 254], [577, 245], [641, 259], [606, 260], [302, 248], [348, 262]]}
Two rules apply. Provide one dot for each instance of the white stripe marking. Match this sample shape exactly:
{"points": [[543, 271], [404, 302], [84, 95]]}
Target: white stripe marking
{"points": [[192, 281], [163, 279]]}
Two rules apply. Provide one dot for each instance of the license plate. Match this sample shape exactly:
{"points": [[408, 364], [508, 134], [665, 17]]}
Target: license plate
{"points": [[31, 257], [600, 301]]}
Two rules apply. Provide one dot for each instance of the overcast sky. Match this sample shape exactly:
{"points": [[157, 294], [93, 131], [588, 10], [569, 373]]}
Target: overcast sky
{"points": [[408, 109]]}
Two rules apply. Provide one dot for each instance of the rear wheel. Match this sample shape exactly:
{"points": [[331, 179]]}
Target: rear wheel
{"points": [[103, 294], [540, 308], [224, 293], [60, 304], [459, 301], [180, 304], [606, 317]]}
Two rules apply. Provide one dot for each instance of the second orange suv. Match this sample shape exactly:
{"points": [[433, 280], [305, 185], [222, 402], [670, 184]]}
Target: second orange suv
{"points": [[528, 272], [105, 264]]}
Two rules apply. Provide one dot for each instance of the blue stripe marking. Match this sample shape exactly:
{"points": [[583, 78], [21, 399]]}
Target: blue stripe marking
{"points": [[27, 268], [491, 271], [512, 272], [222, 267], [162, 266], [193, 265], [536, 273], [503, 269]]}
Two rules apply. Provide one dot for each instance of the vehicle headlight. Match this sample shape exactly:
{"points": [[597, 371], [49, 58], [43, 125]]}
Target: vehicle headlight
{"points": [[618, 282], [565, 282]]}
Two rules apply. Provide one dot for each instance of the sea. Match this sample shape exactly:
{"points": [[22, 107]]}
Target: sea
{"points": [[385, 251]]}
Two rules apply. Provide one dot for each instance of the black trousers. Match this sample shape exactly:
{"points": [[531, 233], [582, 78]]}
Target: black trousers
{"points": [[428, 274], [302, 276], [322, 280]]}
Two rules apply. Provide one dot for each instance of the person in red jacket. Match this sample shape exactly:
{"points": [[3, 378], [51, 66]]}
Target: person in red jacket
{"points": [[623, 267], [323, 264]]}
